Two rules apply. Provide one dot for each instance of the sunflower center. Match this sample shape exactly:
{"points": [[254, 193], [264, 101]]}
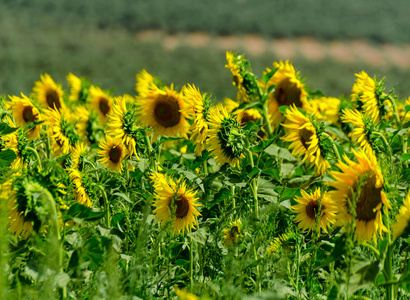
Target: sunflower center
{"points": [[304, 136], [28, 114], [182, 206], [247, 117], [287, 93], [104, 105], [368, 199], [53, 99], [115, 154], [230, 137], [312, 209], [166, 111]]}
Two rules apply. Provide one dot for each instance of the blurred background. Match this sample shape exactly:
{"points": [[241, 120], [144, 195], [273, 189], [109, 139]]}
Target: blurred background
{"points": [[184, 41]]}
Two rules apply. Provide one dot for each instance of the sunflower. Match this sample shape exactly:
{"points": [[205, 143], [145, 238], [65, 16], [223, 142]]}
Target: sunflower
{"points": [[81, 194], [314, 207], [120, 124], [48, 93], [233, 233], [101, 102], [61, 130], [359, 195], [164, 111], [79, 88], [305, 140], [279, 242], [146, 83], [237, 78], [16, 141], [364, 94], [77, 155], [402, 219], [175, 203], [112, 153], [325, 108], [198, 107], [25, 112], [288, 90], [225, 137], [244, 115], [82, 124], [362, 125]]}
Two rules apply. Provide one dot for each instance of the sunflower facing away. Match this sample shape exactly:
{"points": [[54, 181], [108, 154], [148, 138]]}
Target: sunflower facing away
{"points": [[146, 83], [101, 102], [198, 106], [112, 153], [281, 242], [225, 138], [314, 206], [305, 140], [120, 124], [362, 125], [77, 155], [163, 110], [233, 233], [403, 218], [359, 193], [174, 203], [289, 90], [48, 93], [237, 78], [80, 192], [79, 88], [25, 112], [325, 108]]}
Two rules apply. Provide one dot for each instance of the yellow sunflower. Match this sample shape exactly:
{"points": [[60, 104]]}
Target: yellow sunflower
{"points": [[402, 219], [198, 107], [112, 153], [145, 83], [48, 93], [164, 111], [225, 138], [312, 206], [82, 116], [289, 90], [364, 95], [361, 123], [244, 115], [60, 130], [305, 140], [359, 192], [120, 124], [233, 233], [101, 102], [15, 141], [77, 155], [237, 78], [80, 192], [402, 112], [184, 294], [279, 242], [79, 88], [25, 112], [175, 203], [325, 108]]}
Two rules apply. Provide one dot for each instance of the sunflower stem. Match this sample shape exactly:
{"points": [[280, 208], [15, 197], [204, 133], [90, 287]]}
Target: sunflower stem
{"points": [[391, 289], [34, 151], [191, 262], [385, 143], [254, 183], [265, 115], [106, 206], [395, 111], [334, 148], [371, 247]]}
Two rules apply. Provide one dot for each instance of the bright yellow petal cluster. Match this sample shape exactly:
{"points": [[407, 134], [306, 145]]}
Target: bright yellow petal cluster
{"points": [[101, 102], [403, 218], [358, 135], [80, 193], [25, 112], [364, 91], [325, 108], [112, 153], [48, 93], [233, 233]]}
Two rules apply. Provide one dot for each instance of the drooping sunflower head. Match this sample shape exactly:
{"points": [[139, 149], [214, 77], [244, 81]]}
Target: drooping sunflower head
{"points": [[112, 153], [146, 83], [25, 112], [48, 93], [304, 139], [79, 88], [315, 211], [81, 193], [359, 195], [61, 129], [233, 233], [164, 111], [402, 225], [280, 242], [198, 106], [325, 108], [101, 102], [225, 137], [175, 203], [289, 90], [77, 156]]}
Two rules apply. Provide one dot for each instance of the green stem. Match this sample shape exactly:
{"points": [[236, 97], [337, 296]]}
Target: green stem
{"points": [[385, 143], [334, 148], [106, 206], [267, 121], [254, 185], [191, 263], [395, 111], [34, 151]]}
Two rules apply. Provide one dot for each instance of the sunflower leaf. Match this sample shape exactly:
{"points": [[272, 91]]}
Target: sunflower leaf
{"points": [[6, 129], [7, 157], [199, 236]]}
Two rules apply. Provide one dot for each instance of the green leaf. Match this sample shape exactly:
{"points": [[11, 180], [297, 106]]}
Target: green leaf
{"points": [[62, 279], [200, 236], [407, 108], [7, 157], [81, 213], [283, 109], [280, 152], [266, 190], [262, 145], [267, 76], [6, 129], [289, 193], [223, 194], [338, 251], [405, 156]]}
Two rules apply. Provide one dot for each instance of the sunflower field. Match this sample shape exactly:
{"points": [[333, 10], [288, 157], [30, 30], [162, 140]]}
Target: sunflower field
{"points": [[281, 192]]}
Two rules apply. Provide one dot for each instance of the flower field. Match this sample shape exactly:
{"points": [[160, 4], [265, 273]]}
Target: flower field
{"points": [[278, 192]]}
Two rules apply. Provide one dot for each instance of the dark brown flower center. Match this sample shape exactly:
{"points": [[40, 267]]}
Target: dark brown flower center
{"points": [[115, 154], [312, 209], [368, 197], [104, 105], [28, 114], [287, 93], [53, 99], [166, 111], [181, 206], [247, 117], [304, 136]]}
